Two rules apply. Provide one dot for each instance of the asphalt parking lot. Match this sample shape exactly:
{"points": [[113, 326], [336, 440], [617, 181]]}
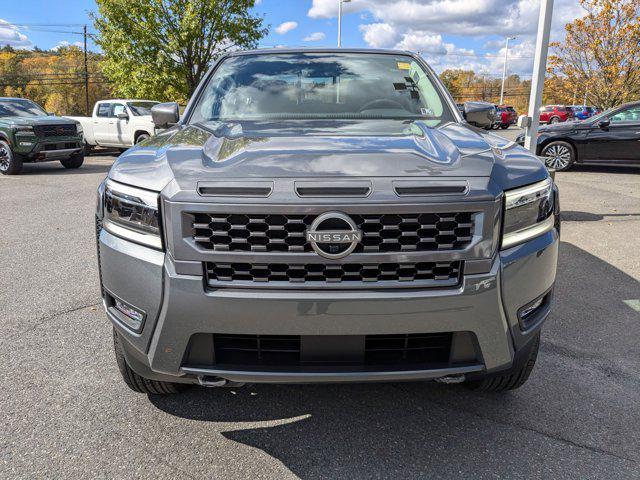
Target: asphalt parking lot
{"points": [[67, 414]]}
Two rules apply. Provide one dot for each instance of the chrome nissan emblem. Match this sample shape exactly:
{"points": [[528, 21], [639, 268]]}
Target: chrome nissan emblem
{"points": [[333, 235]]}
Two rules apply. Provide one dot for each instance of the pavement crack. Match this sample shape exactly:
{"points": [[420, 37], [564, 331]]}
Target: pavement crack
{"points": [[46, 318], [519, 426]]}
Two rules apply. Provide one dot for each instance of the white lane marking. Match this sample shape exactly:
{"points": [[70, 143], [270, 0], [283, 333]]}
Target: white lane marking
{"points": [[635, 304]]}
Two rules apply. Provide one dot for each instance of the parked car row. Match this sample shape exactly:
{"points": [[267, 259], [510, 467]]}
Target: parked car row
{"points": [[29, 134], [609, 137]]}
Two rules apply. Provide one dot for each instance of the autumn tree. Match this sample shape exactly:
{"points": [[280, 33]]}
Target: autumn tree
{"points": [[600, 53], [54, 79], [161, 49]]}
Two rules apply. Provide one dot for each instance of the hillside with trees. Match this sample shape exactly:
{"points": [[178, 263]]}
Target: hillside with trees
{"points": [[54, 78]]}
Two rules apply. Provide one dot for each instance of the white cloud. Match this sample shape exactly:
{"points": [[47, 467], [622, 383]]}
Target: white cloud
{"points": [[64, 43], [379, 35], [329, 8], [9, 35], [314, 37], [419, 25], [286, 27]]}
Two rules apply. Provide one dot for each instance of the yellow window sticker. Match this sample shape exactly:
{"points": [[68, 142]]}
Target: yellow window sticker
{"points": [[404, 66]]}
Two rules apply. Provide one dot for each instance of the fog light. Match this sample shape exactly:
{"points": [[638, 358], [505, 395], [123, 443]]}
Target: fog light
{"points": [[131, 316], [532, 307], [528, 315]]}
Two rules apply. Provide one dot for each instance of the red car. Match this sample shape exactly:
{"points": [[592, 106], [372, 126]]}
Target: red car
{"points": [[506, 115], [555, 114]]}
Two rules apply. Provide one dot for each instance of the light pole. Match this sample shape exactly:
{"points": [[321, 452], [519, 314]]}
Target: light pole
{"points": [[340, 2], [537, 80], [504, 69]]}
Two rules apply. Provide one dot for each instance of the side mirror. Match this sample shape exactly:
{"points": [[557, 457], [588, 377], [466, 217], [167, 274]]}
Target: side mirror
{"points": [[604, 123], [480, 114], [165, 114], [123, 116]]}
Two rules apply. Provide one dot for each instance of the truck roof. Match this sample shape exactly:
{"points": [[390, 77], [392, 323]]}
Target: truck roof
{"points": [[319, 50]]}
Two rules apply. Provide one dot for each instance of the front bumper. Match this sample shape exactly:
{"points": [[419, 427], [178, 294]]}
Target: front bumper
{"points": [[39, 149], [178, 306]]}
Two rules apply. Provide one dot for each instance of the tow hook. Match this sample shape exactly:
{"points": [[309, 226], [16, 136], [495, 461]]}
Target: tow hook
{"points": [[450, 379]]}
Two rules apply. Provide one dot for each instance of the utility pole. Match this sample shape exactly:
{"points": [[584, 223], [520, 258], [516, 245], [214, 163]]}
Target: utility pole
{"points": [[340, 20], [504, 68], [86, 72], [539, 70]]}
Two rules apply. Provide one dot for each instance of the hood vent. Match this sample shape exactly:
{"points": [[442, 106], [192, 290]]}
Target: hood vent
{"points": [[333, 189], [235, 189], [430, 188]]}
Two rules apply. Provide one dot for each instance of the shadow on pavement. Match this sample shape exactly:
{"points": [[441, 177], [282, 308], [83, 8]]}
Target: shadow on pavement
{"points": [[578, 415], [604, 168], [55, 168], [575, 216]]}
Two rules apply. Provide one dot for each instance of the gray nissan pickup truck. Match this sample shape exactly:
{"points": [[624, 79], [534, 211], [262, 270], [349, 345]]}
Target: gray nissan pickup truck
{"points": [[326, 216]]}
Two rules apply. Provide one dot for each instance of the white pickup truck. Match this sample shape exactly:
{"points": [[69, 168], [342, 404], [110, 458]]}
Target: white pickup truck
{"points": [[117, 123]]}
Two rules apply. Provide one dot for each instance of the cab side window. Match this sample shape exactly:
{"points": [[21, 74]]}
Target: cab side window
{"points": [[629, 115], [104, 109], [118, 108]]}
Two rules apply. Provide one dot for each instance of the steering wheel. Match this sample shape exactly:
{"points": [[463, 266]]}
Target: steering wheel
{"points": [[381, 103]]}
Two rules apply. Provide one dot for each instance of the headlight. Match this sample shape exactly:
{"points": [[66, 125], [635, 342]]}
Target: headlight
{"points": [[132, 213], [25, 131], [79, 128], [528, 213]]}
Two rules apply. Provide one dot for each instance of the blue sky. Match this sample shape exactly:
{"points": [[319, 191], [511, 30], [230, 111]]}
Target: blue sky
{"points": [[449, 33]]}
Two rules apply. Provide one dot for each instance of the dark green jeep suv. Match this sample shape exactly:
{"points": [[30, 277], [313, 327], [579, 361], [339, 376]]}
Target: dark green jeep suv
{"points": [[29, 134]]}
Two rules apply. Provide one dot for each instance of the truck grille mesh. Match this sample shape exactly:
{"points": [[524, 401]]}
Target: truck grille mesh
{"points": [[439, 273], [54, 130], [286, 233], [432, 349]]}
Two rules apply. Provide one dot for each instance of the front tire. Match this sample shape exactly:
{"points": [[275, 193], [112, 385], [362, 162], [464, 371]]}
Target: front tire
{"points": [[138, 383], [559, 155], [512, 378], [10, 163], [554, 120], [504, 126], [74, 161], [142, 137]]}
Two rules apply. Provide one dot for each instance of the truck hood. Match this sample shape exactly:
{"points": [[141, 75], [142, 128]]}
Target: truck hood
{"points": [[299, 149], [39, 120]]}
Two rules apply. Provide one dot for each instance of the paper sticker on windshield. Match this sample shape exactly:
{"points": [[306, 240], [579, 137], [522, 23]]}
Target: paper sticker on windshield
{"points": [[427, 112], [404, 66]]}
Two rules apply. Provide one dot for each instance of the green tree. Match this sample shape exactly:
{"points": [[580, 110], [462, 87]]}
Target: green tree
{"points": [[161, 49]]}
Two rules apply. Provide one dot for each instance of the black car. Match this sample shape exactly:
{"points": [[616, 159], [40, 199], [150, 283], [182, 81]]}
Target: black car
{"points": [[610, 137]]}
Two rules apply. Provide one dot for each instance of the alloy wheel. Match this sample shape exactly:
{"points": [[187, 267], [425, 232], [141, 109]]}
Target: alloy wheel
{"points": [[5, 157], [557, 157]]}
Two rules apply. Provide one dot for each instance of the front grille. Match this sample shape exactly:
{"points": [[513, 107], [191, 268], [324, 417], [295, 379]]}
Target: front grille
{"points": [[439, 273], [432, 349], [408, 349], [54, 130], [257, 349], [286, 233]]}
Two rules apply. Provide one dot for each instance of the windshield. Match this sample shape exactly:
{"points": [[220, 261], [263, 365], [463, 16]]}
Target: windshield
{"points": [[141, 108], [20, 108], [320, 86]]}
